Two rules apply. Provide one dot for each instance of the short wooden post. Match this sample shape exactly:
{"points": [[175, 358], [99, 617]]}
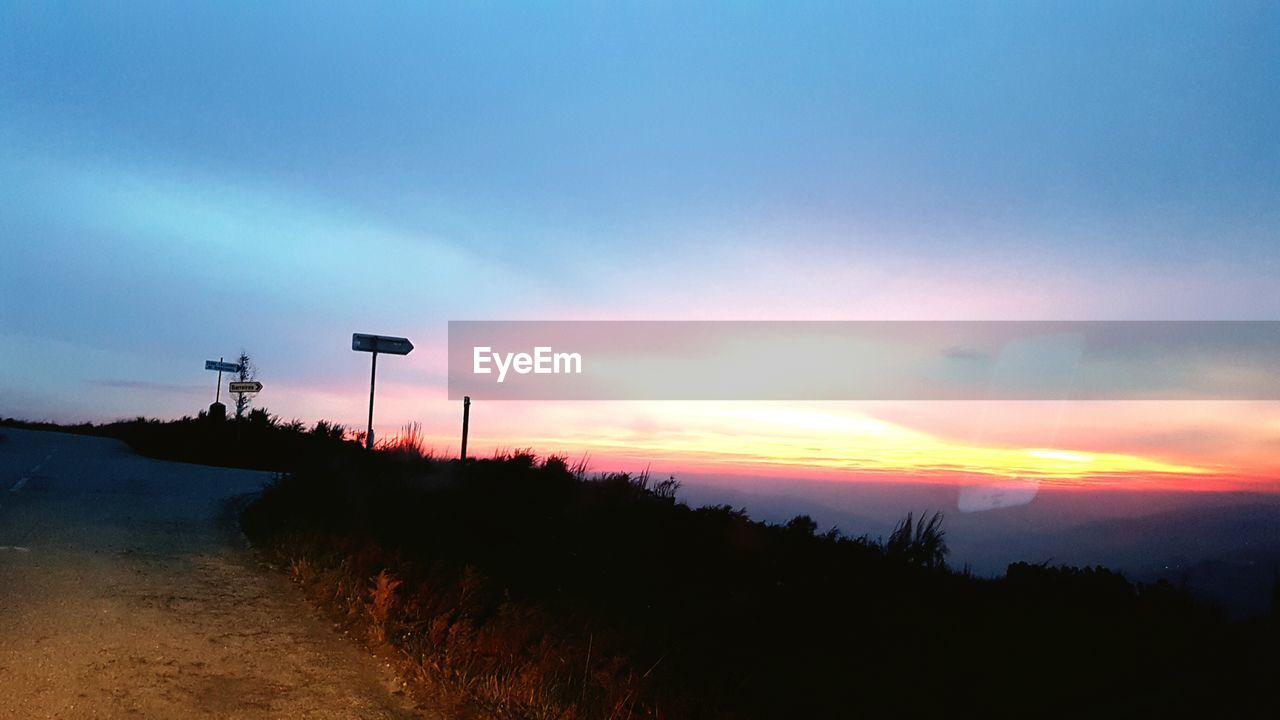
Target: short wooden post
{"points": [[466, 420]]}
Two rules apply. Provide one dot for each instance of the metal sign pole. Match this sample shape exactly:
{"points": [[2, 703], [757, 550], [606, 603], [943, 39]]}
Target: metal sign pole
{"points": [[217, 410], [373, 375], [375, 344]]}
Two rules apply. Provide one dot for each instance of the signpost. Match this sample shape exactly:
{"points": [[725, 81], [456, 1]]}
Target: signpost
{"points": [[217, 409], [375, 344], [381, 344], [220, 366], [241, 387]]}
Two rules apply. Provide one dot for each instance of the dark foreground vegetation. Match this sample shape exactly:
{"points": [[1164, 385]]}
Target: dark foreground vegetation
{"points": [[536, 591], [258, 442]]}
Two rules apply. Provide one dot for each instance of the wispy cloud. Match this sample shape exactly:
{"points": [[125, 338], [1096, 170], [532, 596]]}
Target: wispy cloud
{"points": [[148, 386]]}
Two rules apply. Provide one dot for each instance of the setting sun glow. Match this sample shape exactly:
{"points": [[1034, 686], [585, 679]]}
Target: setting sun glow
{"points": [[785, 438]]}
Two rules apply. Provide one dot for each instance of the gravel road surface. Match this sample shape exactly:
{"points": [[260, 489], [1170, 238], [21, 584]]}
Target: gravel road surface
{"points": [[127, 591]]}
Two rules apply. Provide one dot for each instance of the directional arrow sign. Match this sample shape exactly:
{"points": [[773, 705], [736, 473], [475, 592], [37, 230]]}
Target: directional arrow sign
{"points": [[381, 344], [221, 366], [245, 387], [377, 344]]}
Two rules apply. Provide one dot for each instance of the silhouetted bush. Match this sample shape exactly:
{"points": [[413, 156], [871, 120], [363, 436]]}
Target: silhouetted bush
{"points": [[544, 594], [257, 441], [923, 545]]}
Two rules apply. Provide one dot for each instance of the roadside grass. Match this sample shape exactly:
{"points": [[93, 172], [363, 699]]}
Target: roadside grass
{"points": [[410, 443]]}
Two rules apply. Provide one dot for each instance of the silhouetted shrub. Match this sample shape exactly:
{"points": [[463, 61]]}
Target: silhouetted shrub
{"points": [[544, 595], [923, 544]]}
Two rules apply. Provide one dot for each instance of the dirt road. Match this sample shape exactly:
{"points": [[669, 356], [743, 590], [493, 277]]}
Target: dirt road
{"points": [[126, 591]]}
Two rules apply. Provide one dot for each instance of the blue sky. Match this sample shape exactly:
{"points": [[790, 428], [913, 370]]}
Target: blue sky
{"points": [[177, 181]]}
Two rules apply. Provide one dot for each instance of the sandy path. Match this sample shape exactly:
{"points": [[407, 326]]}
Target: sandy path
{"points": [[125, 592]]}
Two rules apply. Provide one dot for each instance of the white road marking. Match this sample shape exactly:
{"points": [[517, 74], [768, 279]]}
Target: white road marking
{"points": [[23, 480], [15, 548]]}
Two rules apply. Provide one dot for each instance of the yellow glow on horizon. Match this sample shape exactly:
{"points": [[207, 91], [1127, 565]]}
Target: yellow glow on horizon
{"points": [[800, 437]]}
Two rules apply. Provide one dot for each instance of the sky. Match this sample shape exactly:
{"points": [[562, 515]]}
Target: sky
{"points": [[181, 181]]}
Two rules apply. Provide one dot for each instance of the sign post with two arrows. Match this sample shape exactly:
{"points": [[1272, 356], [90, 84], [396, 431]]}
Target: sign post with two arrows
{"points": [[375, 344], [217, 410]]}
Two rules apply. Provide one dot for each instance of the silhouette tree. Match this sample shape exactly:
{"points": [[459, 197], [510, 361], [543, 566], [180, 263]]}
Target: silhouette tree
{"points": [[802, 525], [247, 372]]}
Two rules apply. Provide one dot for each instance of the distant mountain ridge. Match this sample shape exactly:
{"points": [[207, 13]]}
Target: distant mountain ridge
{"points": [[1226, 551]]}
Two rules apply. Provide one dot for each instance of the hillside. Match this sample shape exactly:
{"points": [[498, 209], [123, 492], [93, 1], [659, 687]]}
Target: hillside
{"points": [[545, 593], [528, 588]]}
